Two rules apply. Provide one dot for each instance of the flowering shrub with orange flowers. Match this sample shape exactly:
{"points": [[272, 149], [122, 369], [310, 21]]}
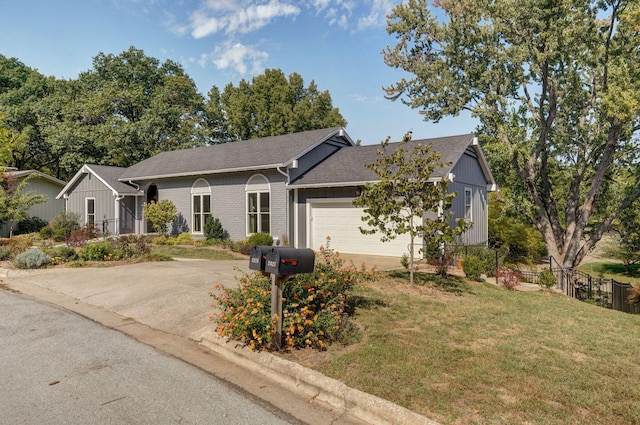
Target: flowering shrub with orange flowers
{"points": [[315, 306]]}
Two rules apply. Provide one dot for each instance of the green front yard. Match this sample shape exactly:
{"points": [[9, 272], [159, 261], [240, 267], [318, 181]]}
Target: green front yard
{"points": [[487, 355]]}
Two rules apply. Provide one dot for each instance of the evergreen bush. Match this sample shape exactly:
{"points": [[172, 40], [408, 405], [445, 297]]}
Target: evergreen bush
{"points": [[98, 251], [546, 279], [213, 228], [31, 225], [184, 238], [473, 267], [262, 239]]}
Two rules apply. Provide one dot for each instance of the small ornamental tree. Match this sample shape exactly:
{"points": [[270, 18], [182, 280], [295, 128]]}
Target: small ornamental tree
{"points": [[408, 198], [15, 200], [160, 214]]}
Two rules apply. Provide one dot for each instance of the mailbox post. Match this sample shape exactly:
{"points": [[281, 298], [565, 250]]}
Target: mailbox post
{"points": [[281, 263]]}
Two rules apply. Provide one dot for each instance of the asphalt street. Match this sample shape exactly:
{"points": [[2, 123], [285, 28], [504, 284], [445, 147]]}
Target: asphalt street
{"points": [[60, 368]]}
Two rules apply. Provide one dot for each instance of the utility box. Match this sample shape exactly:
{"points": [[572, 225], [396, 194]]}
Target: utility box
{"points": [[282, 261], [257, 257]]}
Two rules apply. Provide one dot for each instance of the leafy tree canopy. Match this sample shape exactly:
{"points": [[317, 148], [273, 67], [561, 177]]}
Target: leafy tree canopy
{"points": [[269, 105], [406, 199], [556, 87]]}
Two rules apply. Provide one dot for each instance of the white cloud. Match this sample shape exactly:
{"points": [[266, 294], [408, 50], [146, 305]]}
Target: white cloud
{"points": [[341, 12], [237, 57], [358, 98], [238, 17], [377, 14]]}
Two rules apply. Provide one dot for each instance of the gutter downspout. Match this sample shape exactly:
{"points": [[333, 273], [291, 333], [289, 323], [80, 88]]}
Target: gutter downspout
{"points": [[138, 225], [117, 213], [286, 204]]}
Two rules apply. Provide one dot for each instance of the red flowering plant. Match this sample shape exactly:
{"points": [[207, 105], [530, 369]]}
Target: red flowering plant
{"points": [[315, 306]]}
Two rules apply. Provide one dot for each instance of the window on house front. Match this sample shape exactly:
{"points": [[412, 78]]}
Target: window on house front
{"points": [[201, 211], [90, 212], [468, 203], [258, 205], [200, 205], [258, 213]]}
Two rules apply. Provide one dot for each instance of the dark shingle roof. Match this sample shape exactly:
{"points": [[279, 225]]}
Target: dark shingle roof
{"points": [[348, 165], [107, 174], [267, 152], [110, 175]]}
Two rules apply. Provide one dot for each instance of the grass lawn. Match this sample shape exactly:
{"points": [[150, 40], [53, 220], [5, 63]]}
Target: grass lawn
{"points": [[204, 253], [614, 271], [474, 353]]}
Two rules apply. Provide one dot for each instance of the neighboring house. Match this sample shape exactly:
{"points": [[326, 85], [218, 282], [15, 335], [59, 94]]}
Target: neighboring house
{"points": [[297, 186], [102, 201], [39, 183]]}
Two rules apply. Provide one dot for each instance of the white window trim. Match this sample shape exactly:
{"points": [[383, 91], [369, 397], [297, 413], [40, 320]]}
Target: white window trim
{"points": [[470, 192], [200, 188], [86, 210], [257, 187]]}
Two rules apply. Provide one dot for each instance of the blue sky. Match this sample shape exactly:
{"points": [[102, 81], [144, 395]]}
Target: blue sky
{"points": [[336, 43]]}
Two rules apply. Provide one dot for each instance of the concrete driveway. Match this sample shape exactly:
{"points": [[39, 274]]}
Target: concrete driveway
{"points": [[166, 304], [171, 296]]}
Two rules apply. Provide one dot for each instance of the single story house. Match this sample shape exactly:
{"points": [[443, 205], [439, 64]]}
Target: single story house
{"points": [[297, 187], [39, 183]]}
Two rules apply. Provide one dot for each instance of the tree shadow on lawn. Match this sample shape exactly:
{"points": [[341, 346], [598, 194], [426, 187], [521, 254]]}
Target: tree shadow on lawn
{"points": [[619, 269], [450, 284]]}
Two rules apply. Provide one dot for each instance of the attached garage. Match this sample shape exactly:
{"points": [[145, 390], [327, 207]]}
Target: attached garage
{"points": [[320, 201], [340, 221]]}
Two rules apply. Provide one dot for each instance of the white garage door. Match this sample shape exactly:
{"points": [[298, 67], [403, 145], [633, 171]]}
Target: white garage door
{"points": [[340, 221]]}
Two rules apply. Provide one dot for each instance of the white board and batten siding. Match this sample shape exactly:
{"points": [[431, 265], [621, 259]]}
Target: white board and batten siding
{"points": [[339, 220]]}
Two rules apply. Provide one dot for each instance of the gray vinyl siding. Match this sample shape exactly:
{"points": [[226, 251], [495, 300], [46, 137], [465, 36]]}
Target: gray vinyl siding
{"points": [[468, 175], [52, 207], [89, 186], [46, 211], [228, 201]]}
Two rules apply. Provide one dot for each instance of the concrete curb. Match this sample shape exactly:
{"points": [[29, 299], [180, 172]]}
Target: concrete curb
{"points": [[312, 384]]}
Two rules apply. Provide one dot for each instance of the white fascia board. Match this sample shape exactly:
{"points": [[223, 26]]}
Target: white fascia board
{"points": [[483, 163], [346, 184], [341, 132], [200, 173], [83, 170]]}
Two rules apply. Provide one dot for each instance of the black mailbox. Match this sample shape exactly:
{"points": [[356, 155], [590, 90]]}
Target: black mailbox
{"points": [[257, 257], [289, 261]]}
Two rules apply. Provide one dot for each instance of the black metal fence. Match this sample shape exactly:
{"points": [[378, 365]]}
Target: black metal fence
{"points": [[606, 293], [582, 286]]}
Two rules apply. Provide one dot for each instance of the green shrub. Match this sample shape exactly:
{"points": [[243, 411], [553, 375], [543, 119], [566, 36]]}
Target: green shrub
{"points": [[404, 261], [61, 235], [46, 232], [65, 220], [242, 246], [130, 246], [184, 238], [314, 306], [98, 251], [5, 253], [263, 239], [213, 228], [160, 214], [546, 279], [31, 225], [160, 240], [64, 253], [472, 267], [32, 259]]}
